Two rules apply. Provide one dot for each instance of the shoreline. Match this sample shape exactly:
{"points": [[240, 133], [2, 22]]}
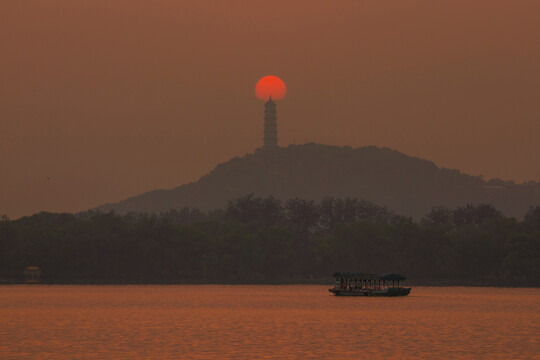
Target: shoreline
{"points": [[417, 283]]}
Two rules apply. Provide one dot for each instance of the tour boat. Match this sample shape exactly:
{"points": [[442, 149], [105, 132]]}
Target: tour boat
{"points": [[362, 284]]}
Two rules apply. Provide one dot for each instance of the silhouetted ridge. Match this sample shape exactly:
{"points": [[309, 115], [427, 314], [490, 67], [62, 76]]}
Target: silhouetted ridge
{"points": [[405, 184]]}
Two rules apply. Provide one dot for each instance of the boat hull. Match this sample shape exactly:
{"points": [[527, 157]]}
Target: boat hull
{"points": [[385, 292]]}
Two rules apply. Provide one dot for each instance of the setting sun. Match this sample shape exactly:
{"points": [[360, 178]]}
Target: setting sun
{"points": [[270, 86]]}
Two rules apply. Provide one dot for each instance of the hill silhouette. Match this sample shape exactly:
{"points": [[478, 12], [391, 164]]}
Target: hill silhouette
{"points": [[407, 185]]}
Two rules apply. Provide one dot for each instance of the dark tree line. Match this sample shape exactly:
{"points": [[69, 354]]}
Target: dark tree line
{"points": [[464, 215], [264, 240]]}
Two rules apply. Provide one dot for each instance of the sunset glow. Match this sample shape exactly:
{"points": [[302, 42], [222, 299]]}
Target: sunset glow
{"points": [[386, 206], [270, 86]]}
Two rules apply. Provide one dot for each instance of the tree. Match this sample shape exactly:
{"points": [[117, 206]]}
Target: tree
{"points": [[487, 212], [255, 209], [301, 216], [533, 215], [474, 215], [336, 211], [438, 216]]}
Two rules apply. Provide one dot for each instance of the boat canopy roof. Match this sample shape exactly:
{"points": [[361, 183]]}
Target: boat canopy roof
{"points": [[359, 275]]}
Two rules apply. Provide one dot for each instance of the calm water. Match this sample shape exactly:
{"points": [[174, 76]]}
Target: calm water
{"points": [[265, 322]]}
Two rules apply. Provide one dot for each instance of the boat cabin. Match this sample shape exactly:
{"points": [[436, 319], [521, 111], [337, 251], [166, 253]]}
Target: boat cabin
{"points": [[356, 283]]}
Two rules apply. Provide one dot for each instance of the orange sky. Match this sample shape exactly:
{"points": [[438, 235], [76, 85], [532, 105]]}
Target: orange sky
{"points": [[109, 101]]}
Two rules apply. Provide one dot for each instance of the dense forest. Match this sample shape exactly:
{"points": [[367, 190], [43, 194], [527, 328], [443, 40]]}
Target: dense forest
{"points": [[263, 240]]}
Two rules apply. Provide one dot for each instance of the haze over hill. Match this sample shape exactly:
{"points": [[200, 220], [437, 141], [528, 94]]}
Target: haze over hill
{"points": [[410, 186]]}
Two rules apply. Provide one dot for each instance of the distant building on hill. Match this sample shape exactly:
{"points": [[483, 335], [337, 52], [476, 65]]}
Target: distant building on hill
{"points": [[270, 125]]}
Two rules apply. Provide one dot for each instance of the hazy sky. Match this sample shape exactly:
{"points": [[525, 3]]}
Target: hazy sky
{"points": [[102, 100]]}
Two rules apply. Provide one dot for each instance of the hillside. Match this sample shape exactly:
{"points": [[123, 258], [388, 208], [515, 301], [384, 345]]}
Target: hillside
{"points": [[408, 185]]}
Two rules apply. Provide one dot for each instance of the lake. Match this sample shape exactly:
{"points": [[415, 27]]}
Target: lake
{"points": [[265, 322]]}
